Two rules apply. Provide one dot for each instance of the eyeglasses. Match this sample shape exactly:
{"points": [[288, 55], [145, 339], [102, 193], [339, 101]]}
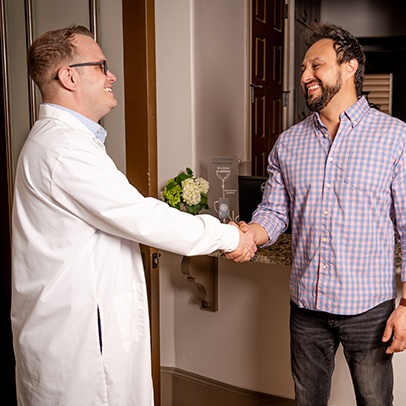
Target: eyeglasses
{"points": [[103, 66]]}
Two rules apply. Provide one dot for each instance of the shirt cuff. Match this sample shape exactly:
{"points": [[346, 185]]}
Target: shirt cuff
{"points": [[231, 237]]}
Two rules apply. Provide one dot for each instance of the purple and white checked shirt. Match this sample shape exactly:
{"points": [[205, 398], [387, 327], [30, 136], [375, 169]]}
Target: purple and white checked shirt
{"points": [[341, 197]]}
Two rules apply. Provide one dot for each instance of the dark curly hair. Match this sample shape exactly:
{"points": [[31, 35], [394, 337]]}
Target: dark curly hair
{"points": [[346, 46]]}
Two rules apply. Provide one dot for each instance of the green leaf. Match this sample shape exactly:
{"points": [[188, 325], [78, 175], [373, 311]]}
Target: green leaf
{"points": [[171, 185], [192, 209], [204, 199], [181, 177]]}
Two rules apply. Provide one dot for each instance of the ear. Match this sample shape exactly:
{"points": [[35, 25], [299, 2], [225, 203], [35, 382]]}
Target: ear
{"points": [[67, 78], [351, 67]]}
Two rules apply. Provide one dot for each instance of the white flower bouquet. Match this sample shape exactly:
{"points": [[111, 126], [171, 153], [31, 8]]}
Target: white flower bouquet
{"points": [[186, 192]]}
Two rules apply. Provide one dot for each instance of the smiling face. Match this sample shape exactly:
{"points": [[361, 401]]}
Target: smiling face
{"points": [[321, 75], [94, 88]]}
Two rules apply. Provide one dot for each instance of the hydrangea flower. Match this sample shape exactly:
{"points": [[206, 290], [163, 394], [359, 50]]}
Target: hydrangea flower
{"points": [[190, 192], [186, 192], [172, 195]]}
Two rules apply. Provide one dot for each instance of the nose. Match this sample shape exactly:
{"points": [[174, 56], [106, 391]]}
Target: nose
{"points": [[306, 75], [306, 78], [112, 77]]}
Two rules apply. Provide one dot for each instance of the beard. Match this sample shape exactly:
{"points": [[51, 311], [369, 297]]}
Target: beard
{"points": [[327, 93]]}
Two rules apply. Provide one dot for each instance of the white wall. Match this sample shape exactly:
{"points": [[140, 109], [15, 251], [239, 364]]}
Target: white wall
{"points": [[221, 56], [175, 106], [176, 132]]}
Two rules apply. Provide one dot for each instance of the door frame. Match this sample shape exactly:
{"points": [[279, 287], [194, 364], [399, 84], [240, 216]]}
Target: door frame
{"points": [[141, 140]]}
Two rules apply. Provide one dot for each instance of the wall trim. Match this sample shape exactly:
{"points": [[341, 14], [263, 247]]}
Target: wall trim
{"points": [[186, 388]]}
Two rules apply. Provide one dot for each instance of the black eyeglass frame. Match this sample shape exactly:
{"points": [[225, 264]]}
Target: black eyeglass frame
{"points": [[102, 63]]}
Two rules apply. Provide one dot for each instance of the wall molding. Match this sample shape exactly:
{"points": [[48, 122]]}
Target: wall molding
{"points": [[183, 388]]}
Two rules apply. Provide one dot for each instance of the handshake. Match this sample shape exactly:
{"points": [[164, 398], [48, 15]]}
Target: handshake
{"points": [[251, 235]]}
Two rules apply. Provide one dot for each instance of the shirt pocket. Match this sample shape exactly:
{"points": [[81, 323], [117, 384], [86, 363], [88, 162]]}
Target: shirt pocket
{"points": [[368, 171], [131, 315]]}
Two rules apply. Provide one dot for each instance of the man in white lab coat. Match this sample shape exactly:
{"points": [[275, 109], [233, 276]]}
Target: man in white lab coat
{"points": [[79, 305]]}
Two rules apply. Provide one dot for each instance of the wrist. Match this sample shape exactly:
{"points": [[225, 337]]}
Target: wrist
{"points": [[402, 302]]}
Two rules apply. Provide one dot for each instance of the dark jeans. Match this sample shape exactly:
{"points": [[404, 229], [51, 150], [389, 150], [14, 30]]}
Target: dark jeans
{"points": [[315, 337]]}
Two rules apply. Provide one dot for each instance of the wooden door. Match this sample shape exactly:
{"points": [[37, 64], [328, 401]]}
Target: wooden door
{"points": [[267, 79], [141, 141]]}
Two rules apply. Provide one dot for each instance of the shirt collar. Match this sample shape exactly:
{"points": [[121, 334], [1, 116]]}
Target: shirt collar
{"points": [[99, 132], [354, 113], [357, 111]]}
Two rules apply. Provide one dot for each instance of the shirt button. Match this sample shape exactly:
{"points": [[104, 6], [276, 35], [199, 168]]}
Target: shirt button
{"points": [[324, 239], [325, 212], [331, 159], [328, 185]]}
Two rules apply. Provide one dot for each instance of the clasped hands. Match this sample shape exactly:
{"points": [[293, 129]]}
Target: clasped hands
{"points": [[247, 245]]}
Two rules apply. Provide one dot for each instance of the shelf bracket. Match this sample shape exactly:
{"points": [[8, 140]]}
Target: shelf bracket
{"points": [[202, 271]]}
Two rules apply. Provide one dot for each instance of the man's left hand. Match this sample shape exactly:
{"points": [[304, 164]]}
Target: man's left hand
{"points": [[396, 327]]}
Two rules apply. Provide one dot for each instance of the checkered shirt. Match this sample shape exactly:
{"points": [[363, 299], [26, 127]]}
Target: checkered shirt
{"points": [[342, 198]]}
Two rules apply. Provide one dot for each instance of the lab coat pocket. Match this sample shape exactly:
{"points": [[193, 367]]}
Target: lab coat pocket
{"points": [[131, 313]]}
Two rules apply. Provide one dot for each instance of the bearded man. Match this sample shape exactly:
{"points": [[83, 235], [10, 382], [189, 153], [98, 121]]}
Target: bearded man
{"points": [[340, 177]]}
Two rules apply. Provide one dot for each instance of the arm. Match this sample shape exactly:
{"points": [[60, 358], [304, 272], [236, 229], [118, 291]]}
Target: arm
{"points": [[396, 327], [87, 184], [271, 217]]}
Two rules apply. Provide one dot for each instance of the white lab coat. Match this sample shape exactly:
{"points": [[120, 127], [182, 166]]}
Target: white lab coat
{"points": [[77, 225]]}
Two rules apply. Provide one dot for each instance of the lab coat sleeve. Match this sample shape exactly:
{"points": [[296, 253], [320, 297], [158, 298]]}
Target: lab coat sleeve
{"points": [[86, 182]]}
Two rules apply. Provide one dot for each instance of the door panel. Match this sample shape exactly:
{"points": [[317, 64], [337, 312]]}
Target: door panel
{"points": [[267, 79]]}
